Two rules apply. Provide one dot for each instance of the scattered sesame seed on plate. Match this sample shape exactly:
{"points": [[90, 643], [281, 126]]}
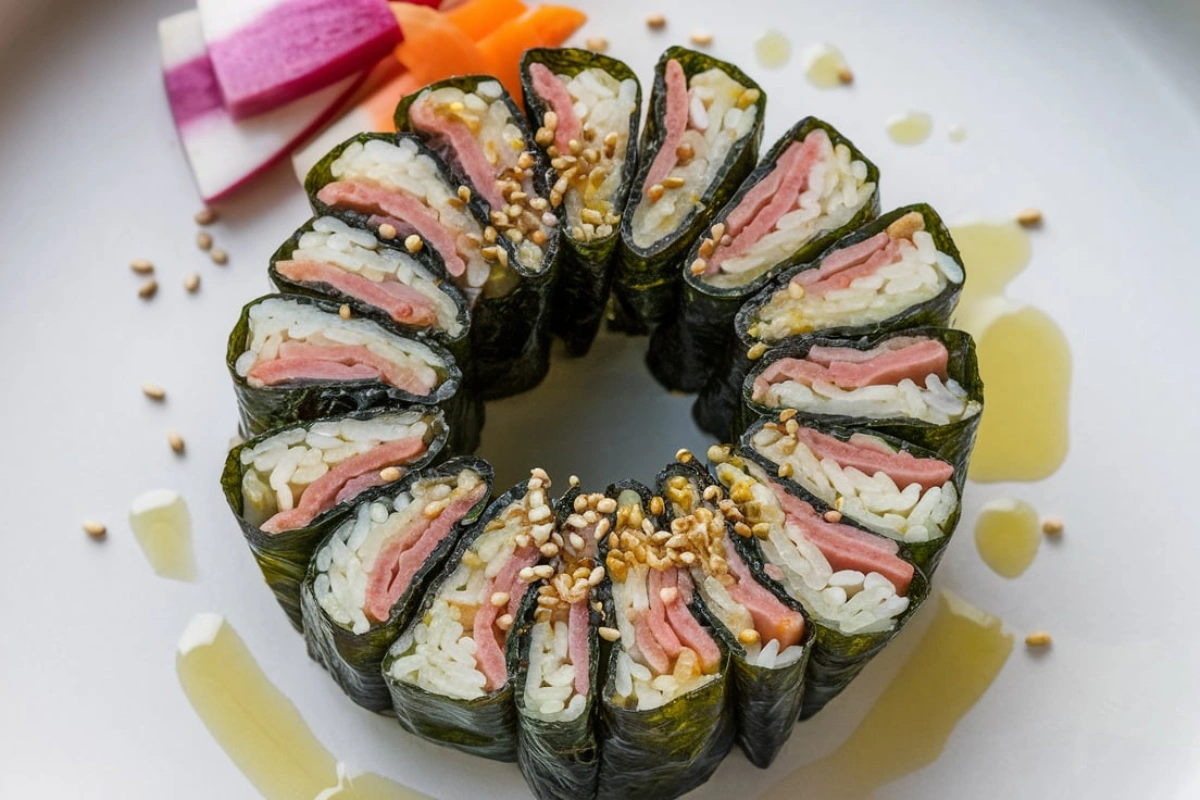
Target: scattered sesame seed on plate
{"points": [[1052, 526], [344, 311], [204, 240], [175, 441], [656, 22], [205, 216], [148, 289], [597, 44], [219, 256], [141, 266], [1029, 217], [1038, 639], [154, 391], [191, 281], [701, 38], [94, 529]]}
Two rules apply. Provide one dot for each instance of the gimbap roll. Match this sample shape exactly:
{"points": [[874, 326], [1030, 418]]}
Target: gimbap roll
{"points": [[666, 716], [857, 587], [368, 576], [813, 187], [585, 107], [899, 271], [393, 184], [295, 358], [763, 629], [699, 143], [328, 258], [559, 657], [290, 487], [921, 384], [894, 488], [449, 672], [478, 131]]}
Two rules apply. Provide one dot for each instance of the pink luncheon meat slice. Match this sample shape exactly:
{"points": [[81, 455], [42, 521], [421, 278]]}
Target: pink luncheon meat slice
{"points": [[225, 153], [267, 53]]}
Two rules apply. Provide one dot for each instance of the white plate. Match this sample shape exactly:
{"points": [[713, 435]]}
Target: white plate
{"points": [[1084, 109]]}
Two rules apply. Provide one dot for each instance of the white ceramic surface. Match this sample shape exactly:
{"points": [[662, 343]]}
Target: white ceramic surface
{"points": [[1087, 110]]}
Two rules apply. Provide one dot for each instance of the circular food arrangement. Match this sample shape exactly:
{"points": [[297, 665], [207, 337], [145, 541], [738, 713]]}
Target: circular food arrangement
{"points": [[613, 641]]}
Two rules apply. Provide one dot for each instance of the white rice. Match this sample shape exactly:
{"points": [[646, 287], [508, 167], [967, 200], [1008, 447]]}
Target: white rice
{"points": [[356, 251], [937, 402], [715, 125], [836, 190], [280, 468], [345, 563], [550, 683], [908, 514], [919, 275], [493, 125], [401, 167], [279, 319], [848, 600]]}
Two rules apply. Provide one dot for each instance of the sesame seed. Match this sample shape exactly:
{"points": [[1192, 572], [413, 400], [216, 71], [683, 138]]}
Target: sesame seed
{"points": [[205, 216], [504, 621], [148, 289], [526, 160], [656, 22], [606, 505], [499, 599], [656, 505], [549, 550], [749, 637], [543, 571], [175, 441], [701, 38], [389, 474], [833, 516], [413, 243], [668, 594], [154, 391], [596, 44], [699, 267], [683, 455], [191, 281], [141, 266], [550, 120], [1052, 526], [526, 574], [761, 529], [795, 290], [1038, 639], [845, 76], [718, 453], [596, 575], [706, 248], [784, 471], [204, 240], [581, 503], [1029, 217], [388, 231], [577, 541], [544, 136], [219, 256], [608, 634], [94, 529], [685, 152], [673, 182], [464, 193], [344, 311], [573, 481], [756, 351], [655, 192], [549, 220], [787, 414]]}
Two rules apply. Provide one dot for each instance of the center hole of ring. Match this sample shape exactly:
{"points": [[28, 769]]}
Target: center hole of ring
{"points": [[602, 417]]}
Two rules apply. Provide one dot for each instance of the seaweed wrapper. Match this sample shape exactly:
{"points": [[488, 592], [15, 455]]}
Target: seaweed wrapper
{"points": [[716, 407], [283, 557], [485, 726], [266, 407], [766, 700], [926, 555], [685, 351], [646, 283], [952, 441], [585, 276], [510, 332], [837, 658], [559, 759], [354, 660], [670, 750]]}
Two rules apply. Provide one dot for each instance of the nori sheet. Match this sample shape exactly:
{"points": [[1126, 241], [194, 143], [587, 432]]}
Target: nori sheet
{"points": [[670, 750], [283, 557], [952, 441], [487, 725], [354, 659], [718, 401], [685, 350], [766, 700], [647, 280], [586, 273], [266, 407], [926, 555]]}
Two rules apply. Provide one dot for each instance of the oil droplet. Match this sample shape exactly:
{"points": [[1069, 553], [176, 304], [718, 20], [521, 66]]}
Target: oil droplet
{"points": [[910, 127], [958, 657], [1024, 360], [258, 727], [825, 66], [773, 49], [1007, 535], [163, 528], [957, 133]]}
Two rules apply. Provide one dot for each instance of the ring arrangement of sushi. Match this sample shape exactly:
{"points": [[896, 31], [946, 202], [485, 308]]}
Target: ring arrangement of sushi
{"points": [[612, 641]]}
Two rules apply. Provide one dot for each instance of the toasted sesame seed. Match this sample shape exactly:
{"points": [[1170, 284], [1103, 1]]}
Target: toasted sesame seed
{"points": [[549, 550], [656, 505], [577, 541], [668, 594], [499, 599], [742, 529], [655, 192], [673, 182], [1029, 217], [191, 281], [1052, 526], [701, 38], [656, 21], [526, 574], [784, 471], [148, 289], [389, 474], [388, 231], [685, 152], [141, 266], [219, 256], [606, 505], [573, 481], [205, 216], [833, 516], [464, 193], [154, 391], [749, 637], [94, 529], [543, 571], [699, 267], [706, 248], [845, 76], [787, 414], [344, 311], [413, 243], [544, 136], [204, 240], [597, 44], [1038, 639], [756, 351], [608, 634], [795, 290], [504, 621], [175, 441], [683, 455]]}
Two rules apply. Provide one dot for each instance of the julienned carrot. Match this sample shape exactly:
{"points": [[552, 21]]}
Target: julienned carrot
{"points": [[433, 48], [544, 26], [478, 18]]}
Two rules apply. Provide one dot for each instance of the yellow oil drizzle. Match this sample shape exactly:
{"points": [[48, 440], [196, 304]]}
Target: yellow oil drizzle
{"points": [[1024, 360], [958, 657], [772, 49], [957, 133], [824, 66], [1007, 534], [910, 127], [258, 727], [163, 528]]}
